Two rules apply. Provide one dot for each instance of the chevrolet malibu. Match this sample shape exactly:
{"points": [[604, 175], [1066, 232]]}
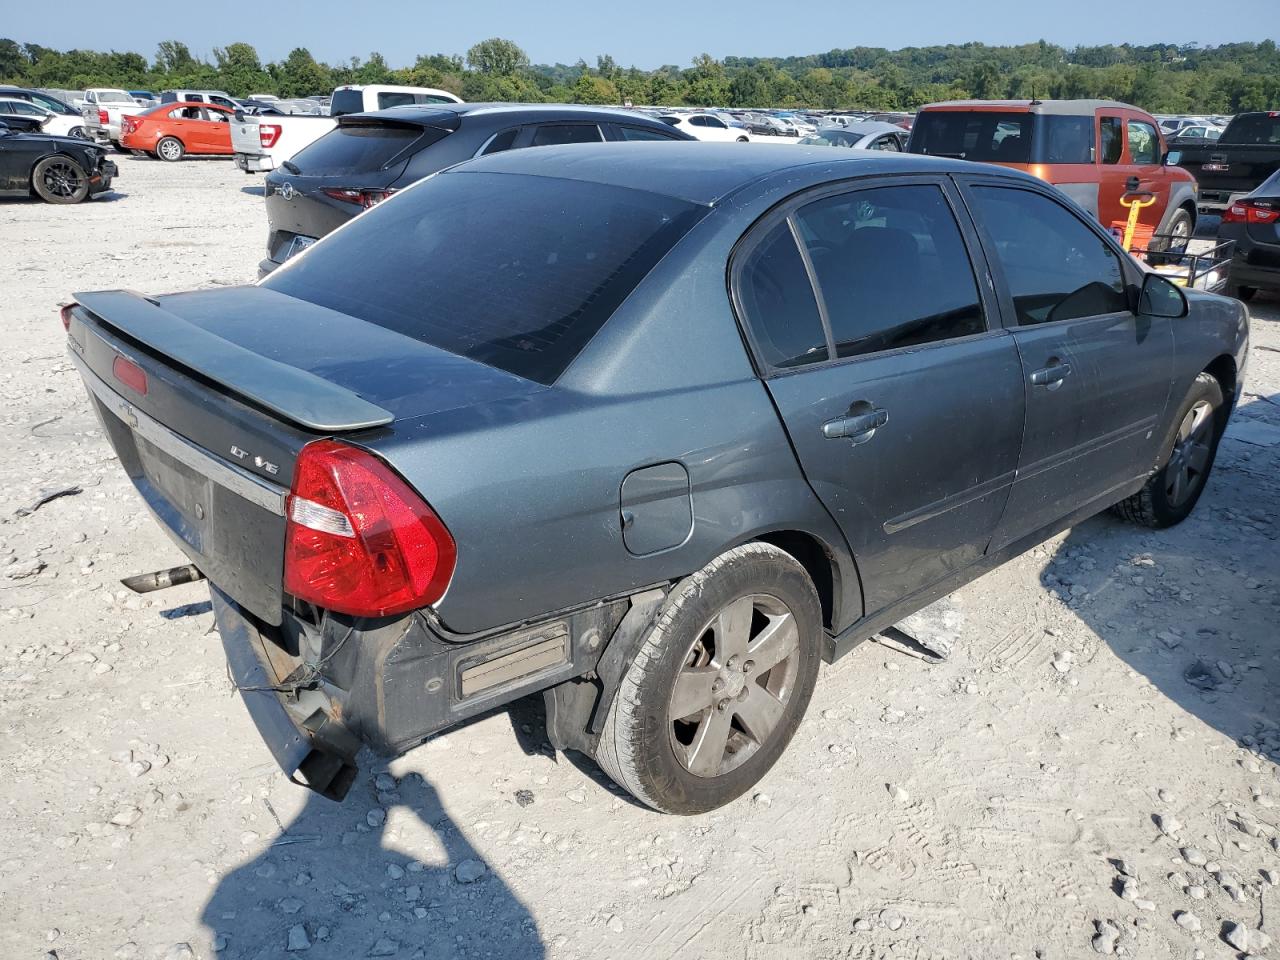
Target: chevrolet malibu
{"points": [[650, 429]]}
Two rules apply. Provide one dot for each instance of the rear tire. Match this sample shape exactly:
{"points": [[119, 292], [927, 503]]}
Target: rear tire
{"points": [[170, 149], [1171, 493], [1182, 227], [735, 655], [60, 179], [78, 133]]}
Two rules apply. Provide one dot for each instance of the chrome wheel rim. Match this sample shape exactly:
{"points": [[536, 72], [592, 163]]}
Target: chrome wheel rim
{"points": [[62, 178], [1189, 462], [736, 680], [1181, 233], [170, 150]]}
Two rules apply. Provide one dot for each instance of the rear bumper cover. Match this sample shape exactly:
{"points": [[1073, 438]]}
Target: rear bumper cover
{"points": [[254, 163], [304, 738]]}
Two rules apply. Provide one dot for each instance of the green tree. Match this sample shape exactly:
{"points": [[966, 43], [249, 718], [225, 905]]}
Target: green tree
{"points": [[300, 76], [593, 89], [173, 56], [13, 61], [497, 56]]}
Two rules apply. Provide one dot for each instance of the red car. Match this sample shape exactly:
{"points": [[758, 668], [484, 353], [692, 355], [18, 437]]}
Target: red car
{"points": [[171, 131]]}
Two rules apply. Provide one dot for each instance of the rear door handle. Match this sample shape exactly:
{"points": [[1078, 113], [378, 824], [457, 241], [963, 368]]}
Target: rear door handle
{"points": [[1051, 375], [858, 427]]}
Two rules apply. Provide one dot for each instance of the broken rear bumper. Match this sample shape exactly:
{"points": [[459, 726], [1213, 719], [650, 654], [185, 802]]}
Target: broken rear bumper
{"points": [[309, 744]]}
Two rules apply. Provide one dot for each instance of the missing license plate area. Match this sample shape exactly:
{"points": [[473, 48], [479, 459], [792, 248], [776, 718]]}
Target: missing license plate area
{"points": [[298, 244], [540, 653]]}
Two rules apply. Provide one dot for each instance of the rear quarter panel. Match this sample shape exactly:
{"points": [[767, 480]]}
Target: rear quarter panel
{"points": [[530, 488]]}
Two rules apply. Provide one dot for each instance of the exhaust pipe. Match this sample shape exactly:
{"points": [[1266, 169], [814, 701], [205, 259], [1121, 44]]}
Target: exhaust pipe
{"points": [[163, 579]]}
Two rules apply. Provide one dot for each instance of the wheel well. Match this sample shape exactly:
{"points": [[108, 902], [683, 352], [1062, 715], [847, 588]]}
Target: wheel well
{"points": [[1223, 369], [817, 562], [1190, 207]]}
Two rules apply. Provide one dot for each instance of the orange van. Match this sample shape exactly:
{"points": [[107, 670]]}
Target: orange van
{"points": [[1094, 151]]}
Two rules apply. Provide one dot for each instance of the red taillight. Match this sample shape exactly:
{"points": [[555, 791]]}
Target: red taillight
{"points": [[1251, 211], [129, 125], [268, 134], [358, 539], [130, 374], [102, 117], [66, 313], [365, 198]]}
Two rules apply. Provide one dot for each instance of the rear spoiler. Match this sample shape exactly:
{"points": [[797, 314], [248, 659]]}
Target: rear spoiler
{"points": [[292, 394]]}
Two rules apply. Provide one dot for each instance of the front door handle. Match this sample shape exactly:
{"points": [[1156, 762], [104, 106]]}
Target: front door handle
{"points": [[858, 427], [1051, 375]]}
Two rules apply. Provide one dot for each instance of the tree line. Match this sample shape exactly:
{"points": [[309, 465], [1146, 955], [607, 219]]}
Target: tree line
{"points": [[1163, 78]]}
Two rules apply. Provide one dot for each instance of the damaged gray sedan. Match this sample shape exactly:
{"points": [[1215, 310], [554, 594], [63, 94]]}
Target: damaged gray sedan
{"points": [[649, 429]]}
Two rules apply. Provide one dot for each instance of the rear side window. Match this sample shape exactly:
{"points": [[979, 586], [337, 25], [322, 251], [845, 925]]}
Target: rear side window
{"points": [[361, 147], [346, 101], [642, 133], [514, 271], [777, 299], [554, 134], [1056, 267], [973, 135], [1144, 145], [1112, 140], [892, 268], [502, 141], [1064, 139]]}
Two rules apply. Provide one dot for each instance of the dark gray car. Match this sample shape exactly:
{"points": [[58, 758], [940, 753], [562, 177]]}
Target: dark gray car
{"points": [[369, 156], [652, 429]]}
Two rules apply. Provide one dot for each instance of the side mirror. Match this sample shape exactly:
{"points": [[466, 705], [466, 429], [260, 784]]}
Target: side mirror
{"points": [[1162, 298], [1173, 158]]}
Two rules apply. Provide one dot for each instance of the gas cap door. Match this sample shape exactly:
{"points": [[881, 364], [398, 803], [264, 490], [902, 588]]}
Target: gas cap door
{"points": [[656, 508]]}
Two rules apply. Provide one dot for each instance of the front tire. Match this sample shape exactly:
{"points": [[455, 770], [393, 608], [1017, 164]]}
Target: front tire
{"points": [[720, 684], [1243, 294], [1171, 493], [60, 179], [170, 149]]}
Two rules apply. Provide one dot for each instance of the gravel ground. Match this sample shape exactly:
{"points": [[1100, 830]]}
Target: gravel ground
{"points": [[1058, 786]]}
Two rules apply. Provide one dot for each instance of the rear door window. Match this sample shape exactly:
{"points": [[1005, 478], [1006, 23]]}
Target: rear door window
{"points": [[892, 268], [777, 299], [386, 100], [1112, 139], [642, 133], [502, 141], [554, 134], [361, 147], [514, 271], [1056, 267]]}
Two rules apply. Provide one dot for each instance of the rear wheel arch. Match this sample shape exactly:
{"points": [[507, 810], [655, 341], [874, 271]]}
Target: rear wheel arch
{"points": [[832, 574]]}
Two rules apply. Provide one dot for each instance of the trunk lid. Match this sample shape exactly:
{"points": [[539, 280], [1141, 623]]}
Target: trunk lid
{"points": [[236, 382]]}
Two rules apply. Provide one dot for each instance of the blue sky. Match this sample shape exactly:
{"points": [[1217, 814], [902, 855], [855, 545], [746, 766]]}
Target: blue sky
{"points": [[646, 34]]}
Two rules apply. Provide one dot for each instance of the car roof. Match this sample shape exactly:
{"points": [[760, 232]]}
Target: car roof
{"points": [[699, 172], [1066, 108], [448, 114]]}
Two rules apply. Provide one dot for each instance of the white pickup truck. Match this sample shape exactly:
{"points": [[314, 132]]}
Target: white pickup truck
{"points": [[101, 108], [261, 144]]}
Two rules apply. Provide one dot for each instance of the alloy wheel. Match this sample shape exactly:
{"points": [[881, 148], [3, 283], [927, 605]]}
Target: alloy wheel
{"points": [[738, 675], [1189, 461], [62, 179]]}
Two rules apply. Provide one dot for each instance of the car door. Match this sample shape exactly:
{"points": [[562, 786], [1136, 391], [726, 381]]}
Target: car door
{"points": [[216, 130], [1146, 155], [903, 405], [1113, 172], [1096, 374], [185, 122]]}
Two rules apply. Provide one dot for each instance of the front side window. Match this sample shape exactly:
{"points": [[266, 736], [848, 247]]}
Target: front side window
{"points": [[892, 268], [1144, 144], [1112, 140], [698, 121], [555, 134], [1056, 267], [777, 299]]}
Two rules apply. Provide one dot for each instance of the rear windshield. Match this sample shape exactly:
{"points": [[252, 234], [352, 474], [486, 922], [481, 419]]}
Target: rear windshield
{"points": [[517, 272], [1257, 128], [361, 147], [346, 101], [113, 96]]}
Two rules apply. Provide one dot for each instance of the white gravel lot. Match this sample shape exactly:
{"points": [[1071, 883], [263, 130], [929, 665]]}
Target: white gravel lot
{"points": [[975, 808]]}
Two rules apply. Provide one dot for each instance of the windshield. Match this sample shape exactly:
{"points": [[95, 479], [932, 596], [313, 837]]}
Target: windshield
{"points": [[514, 271]]}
